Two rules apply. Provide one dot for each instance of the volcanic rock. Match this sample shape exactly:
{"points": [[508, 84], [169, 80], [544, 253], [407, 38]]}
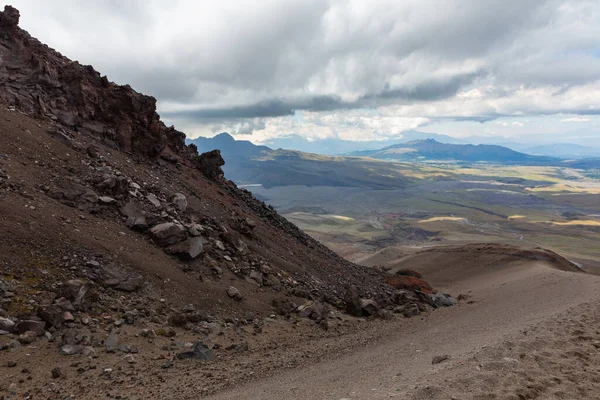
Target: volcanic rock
{"points": [[167, 234]]}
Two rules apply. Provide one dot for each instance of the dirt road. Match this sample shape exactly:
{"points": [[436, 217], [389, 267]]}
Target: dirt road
{"points": [[507, 304]]}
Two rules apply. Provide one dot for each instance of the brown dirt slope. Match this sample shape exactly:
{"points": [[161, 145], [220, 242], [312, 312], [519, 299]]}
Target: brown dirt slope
{"points": [[444, 265]]}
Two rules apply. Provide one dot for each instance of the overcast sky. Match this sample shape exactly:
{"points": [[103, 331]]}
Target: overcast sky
{"points": [[357, 70]]}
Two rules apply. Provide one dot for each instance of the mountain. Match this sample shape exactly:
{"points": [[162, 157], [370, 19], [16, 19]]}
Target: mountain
{"points": [[432, 150], [247, 163], [563, 150], [334, 146], [228, 146], [117, 238]]}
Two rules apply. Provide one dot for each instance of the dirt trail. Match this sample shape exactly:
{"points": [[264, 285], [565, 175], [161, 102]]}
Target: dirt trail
{"points": [[506, 302]]}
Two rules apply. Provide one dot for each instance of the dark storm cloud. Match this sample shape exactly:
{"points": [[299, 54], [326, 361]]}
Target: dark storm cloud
{"points": [[228, 59], [428, 91]]}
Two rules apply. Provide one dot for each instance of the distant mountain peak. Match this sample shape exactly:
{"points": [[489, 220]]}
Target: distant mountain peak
{"points": [[224, 136]]}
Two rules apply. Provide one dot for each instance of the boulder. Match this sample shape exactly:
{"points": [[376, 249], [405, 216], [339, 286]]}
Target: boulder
{"points": [[153, 200], [106, 200], [188, 249], [6, 324], [369, 307], [30, 325], [234, 293], [179, 201], [195, 230], [136, 219], [177, 319], [52, 315], [353, 302], [199, 352], [167, 234], [75, 290], [27, 337], [210, 164], [112, 342], [283, 307], [443, 300]]}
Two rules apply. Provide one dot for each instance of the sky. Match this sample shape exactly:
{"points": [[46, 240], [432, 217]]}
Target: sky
{"points": [[358, 70]]}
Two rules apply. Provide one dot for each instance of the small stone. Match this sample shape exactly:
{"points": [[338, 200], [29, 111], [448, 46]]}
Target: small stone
{"points": [[180, 202], [56, 373], [440, 359], [112, 342], [70, 349], [106, 200], [153, 199], [11, 364], [27, 337], [6, 324], [234, 293]]}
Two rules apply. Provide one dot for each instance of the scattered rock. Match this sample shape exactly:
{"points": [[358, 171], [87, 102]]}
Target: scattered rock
{"points": [[440, 359], [369, 307], [70, 349], [353, 302], [56, 373], [199, 352], [106, 200], [112, 342], [151, 197], [188, 249], [443, 300], [6, 324], [38, 327], [167, 234], [234, 293], [11, 364], [179, 201], [27, 337]]}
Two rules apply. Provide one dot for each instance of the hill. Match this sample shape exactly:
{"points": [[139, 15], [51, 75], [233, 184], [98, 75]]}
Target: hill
{"points": [[124, 253], [335, 146], [563, 150], [432, 150]]}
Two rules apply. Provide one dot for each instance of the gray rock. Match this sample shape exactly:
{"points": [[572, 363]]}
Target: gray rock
{"points": [[75, 290], [106, 200], [151, 197], [27, 337], [234, 293], [353, 302], [53, 315], [112, 342], [30, 325], [195, 230], [199, 352], [70, 349], [256, 277], [188, 249], [443, 300], [369, 307], [167, 234], [6, 324], [180, 202], [136, 219]]}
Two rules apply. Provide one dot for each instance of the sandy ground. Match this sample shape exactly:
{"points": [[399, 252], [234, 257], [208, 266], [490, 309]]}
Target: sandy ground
{"points": [[528, 331]]}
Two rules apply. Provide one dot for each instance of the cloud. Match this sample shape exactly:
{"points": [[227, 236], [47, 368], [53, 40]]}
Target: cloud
{"points": [[576, 119], [251, 66]]}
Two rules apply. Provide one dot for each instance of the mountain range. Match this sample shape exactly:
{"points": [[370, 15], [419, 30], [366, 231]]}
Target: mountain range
{"points": [[432, 150]]}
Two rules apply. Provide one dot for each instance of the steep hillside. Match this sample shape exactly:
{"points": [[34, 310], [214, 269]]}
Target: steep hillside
{"points": [[431, 149], [124, 252]]}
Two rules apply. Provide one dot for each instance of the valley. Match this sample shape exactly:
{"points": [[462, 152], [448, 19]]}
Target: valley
{"points": [[550, 207]]}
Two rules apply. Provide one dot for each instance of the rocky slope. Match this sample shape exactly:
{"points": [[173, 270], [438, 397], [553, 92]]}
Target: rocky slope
{"points": [[124, 252]]}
